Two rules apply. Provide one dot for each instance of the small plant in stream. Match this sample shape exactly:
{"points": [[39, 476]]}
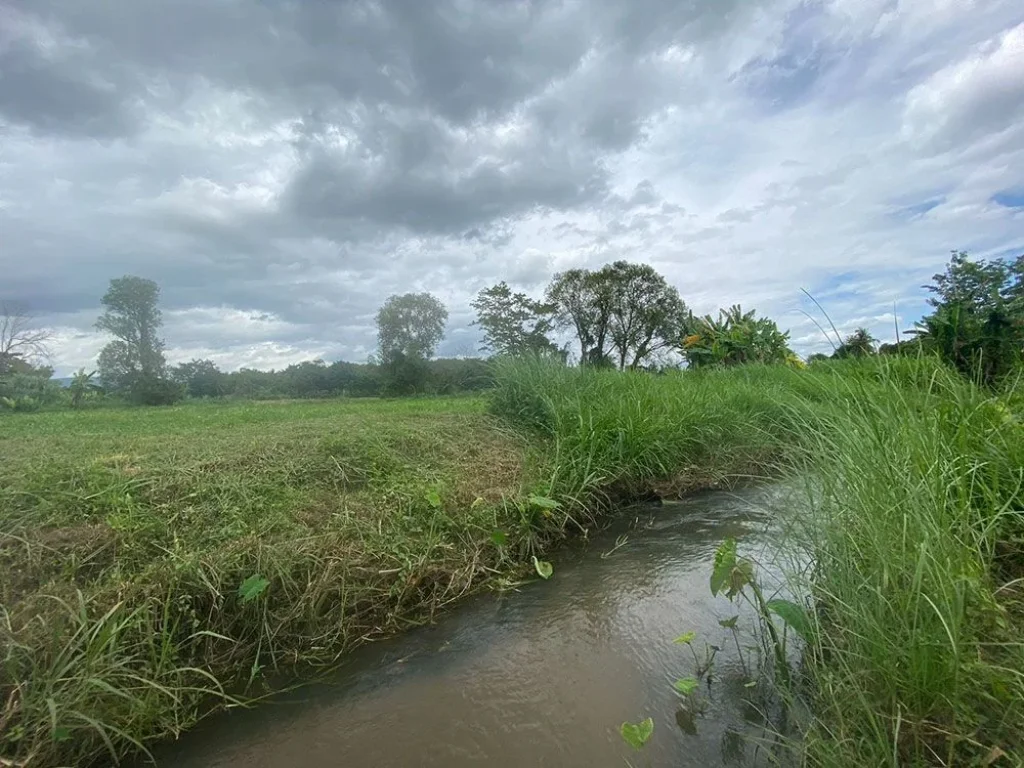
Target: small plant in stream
{"points": [[734, 576]]}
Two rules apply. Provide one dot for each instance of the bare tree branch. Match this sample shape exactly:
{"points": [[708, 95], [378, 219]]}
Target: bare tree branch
{"points": [[19, 339]]}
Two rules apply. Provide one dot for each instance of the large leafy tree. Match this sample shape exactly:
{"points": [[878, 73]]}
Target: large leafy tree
{"points": [[622, 314], [733, 338], [409, 328], [411, 325], [135, 357], [645, 313], [582, 303], [513, 323], [978, 320]]}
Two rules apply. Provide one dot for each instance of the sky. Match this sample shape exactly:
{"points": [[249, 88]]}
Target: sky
{"points": [[281, 167]]}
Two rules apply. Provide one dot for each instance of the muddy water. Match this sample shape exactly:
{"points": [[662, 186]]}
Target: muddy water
{"points": [[541, 676]]}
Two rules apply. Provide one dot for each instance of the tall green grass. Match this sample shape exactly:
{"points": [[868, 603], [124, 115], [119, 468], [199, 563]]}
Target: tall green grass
{"points": [[912, 521]]}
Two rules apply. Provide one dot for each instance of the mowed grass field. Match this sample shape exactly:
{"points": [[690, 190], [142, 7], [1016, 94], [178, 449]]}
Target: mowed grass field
{"points": [[149, 556]]}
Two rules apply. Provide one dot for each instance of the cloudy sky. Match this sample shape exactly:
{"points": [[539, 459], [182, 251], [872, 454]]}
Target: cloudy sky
{"points": [[280, 167]]}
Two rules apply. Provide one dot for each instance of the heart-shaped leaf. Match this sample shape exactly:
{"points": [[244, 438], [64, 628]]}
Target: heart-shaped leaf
{"points": [[433, 498], [543, 567], [637, 734], [543, 502], [686, 638], [795, 616], [686, 685], [252, 587]]}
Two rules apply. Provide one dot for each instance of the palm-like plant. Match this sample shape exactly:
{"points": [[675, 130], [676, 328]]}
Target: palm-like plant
{"points": [[733, 338], [860, 343], [81, 385]]}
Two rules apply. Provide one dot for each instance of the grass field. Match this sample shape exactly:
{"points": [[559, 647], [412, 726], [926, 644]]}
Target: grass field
{"points": [[126, 536], [156, 560]]}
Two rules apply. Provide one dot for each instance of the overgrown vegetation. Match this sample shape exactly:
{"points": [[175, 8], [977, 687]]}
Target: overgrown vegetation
{"points": [[912, 521]]}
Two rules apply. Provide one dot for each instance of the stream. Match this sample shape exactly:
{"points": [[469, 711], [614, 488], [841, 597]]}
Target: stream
{"points": [[542, 675]]}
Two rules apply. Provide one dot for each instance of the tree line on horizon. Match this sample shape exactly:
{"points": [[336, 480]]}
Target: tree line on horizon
{"points": [[623, 316]]}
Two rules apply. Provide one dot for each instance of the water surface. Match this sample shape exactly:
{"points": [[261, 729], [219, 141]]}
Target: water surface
{"points": [[539, 676]]}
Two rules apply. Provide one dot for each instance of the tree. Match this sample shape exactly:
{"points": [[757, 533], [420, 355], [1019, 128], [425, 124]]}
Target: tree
{"points": [[860, 343], [201, 378], [132, 317], [20, 343], [409, 328], [645, 313], [734, 338], [621, 315], [978, 322], [81, 387], [582, 302], [513, 323], [411, 325]]}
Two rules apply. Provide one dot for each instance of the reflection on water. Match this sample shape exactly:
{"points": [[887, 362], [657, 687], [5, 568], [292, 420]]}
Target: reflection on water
{"points": [[541, 676]]}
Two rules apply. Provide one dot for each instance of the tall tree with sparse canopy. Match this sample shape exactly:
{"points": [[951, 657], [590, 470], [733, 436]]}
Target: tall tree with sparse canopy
{"points": [[135, 357], [513, 323]]}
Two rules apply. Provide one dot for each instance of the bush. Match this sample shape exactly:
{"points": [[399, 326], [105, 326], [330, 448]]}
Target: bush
{"points": [[156, 392]]}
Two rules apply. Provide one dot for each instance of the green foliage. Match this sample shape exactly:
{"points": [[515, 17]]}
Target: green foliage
{"points": [[734, 338], [978, 320], [252, 587], [410, 326], [200, 378], [858, 344], [622, 315], [686, 685], [637, 734], [544, 569], [513, 323], [135, 357], [82, 385]]}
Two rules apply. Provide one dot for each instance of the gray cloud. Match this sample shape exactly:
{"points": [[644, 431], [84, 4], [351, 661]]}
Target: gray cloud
{"points": [[298, 162]]}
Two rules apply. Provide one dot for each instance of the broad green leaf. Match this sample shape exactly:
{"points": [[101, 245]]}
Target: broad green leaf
{"points": [[61, 733], [499, 538], [433, 498], [795, 616], [741, 575], [543, 567], [637, 734], [725, 561], [686, 685], [729, 623], [252, 587], [685, 639], [543, 502]]}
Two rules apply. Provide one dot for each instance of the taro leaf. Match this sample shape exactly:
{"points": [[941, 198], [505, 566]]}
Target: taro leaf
{"points": [[686, 685], [543, 567], [637, 734], [793, 615], [725, 561], [252, 587], [729, 623], [433, 498], [499, 538], [741, 575], [685, 639], [543, 502]]}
